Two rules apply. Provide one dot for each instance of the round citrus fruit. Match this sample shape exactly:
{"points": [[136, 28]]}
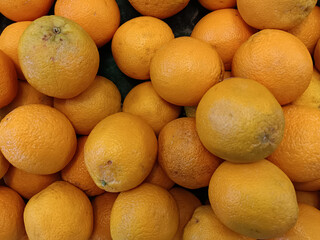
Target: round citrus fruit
{"points": [[308, 186], [37, 139], [310, 198], [316, 55], [101, 99], [158, 177], [214, 5], [266, 58], [298, 153], [100, 18], [120, 152], [60, 211], [225, 30], [183, 157], [77, 174], [28, 184], [182, 70], [135, 43], [239, 120], [284, 15], [159, 8], [11, 217], [58, 57], [255, 199], [145, 212], [9, 41], [4, 165], [144, 101]]}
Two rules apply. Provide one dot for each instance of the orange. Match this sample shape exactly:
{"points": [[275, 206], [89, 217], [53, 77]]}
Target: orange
{"points": [[100, 18], [298, 153], [214, 4], [159, 8], [21, 10], [102, 206], [26, 95], [4, 165], [307, 226], [135, 43], [255, 199], [11, 218], [144, 101], [182, 155], [266, 58], [67, 207], [37, 139], [120, 152], [77, 174], [145, 212], [58, 57], [233, 105], [184, 69], [8, 80], [316, 55], [308, 186], [225, 30], [204, 225], [187, 203], [270, 14], [9, 41], [311, 97], [310, 198], [28, 184], [158, 177], [101, 99], [307, 31]]}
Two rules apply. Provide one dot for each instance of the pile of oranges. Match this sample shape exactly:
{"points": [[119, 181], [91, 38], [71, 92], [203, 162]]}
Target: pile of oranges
{"points": [[218, 138]]}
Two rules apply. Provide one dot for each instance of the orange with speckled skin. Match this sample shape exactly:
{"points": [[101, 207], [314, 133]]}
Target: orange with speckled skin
{"points": [[37, 138], [298, 153], [4, 165], [58, 57], [158, 177]]}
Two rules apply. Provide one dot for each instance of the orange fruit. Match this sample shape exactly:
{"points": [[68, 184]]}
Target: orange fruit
{"points": [[37, 139], [307, 31], [135, 43], [187, 203], [11, 218], [4, 165], [225, 30], [184, 69], [28, 184], [311, 97], [101, 99], [9, 41], [266, 58], [307, 226], [8, 80], [159, 8], [308, 186], [310, 198], [145, 212], [144, 101], [120, 152], [270, 14], [67, 207], [100, 18], [158, 177], [233, 105], [316, 55], [102, 206], [183, 157], [204, 225], [298, 153], [26, 95], [58, 57], [21, 10], [255, 199], [77, 174], [214, 5]]}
